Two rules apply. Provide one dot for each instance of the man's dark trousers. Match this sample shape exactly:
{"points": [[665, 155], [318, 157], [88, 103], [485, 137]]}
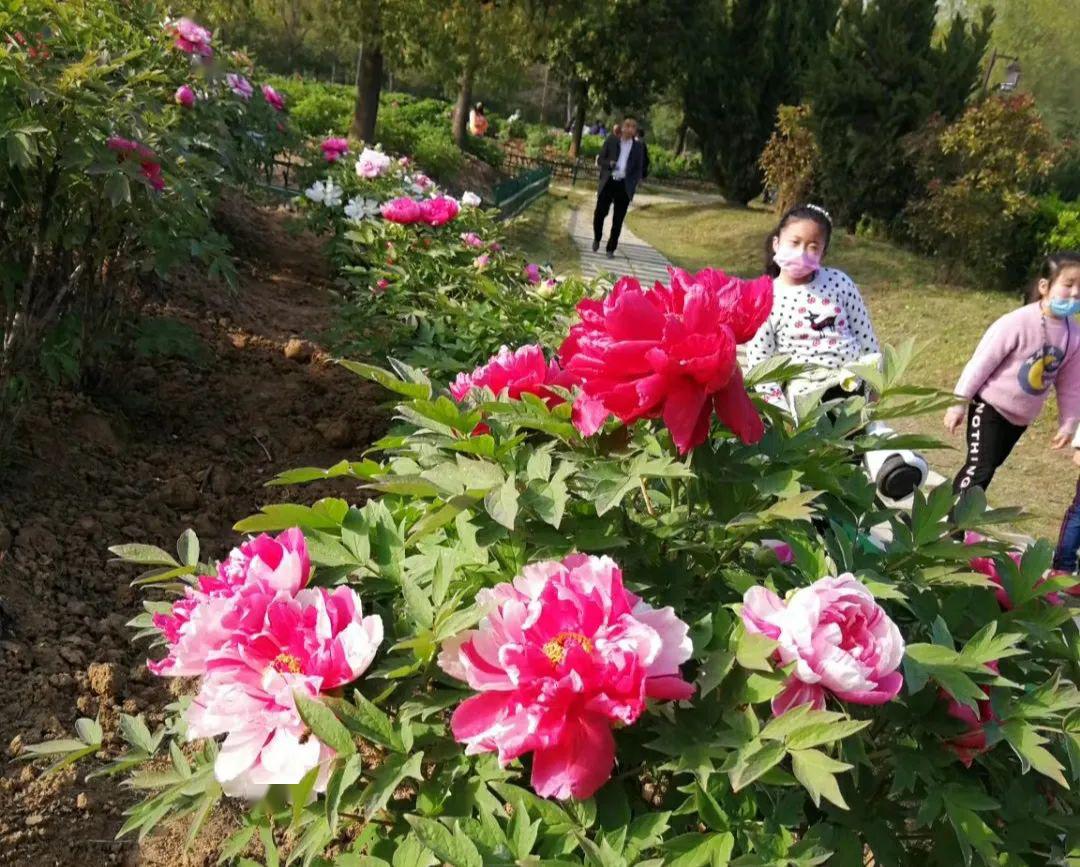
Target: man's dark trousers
{"points": [[612, 191]]}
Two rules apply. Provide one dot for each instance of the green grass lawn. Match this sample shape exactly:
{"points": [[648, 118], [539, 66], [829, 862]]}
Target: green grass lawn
{"points": [[540, 232], [907, 297]]}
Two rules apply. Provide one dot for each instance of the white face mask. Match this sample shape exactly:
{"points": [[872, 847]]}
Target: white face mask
{"points": [[797, 265]]}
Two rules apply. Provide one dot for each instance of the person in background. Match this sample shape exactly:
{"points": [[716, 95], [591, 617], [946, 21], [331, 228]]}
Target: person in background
{"points": [[1008, 379], [600, 128], [478, 123], [644, 153], [620, 163], [818, 317]]}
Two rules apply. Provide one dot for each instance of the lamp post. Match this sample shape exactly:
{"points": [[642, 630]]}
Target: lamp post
{"points": [[1012, 72]]}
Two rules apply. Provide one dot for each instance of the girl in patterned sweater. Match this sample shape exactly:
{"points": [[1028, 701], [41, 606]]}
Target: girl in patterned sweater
{"points": [[818, 316]]}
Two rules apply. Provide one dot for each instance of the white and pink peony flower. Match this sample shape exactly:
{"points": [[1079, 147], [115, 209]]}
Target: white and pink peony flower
{"points": [[841, 641], [564, 654], [372, 163], [312, 642]]}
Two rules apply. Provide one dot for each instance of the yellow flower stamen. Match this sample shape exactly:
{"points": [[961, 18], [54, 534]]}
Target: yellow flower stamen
{"points": [[555, 649]]}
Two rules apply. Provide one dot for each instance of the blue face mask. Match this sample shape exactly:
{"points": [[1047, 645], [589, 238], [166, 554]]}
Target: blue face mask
{"points": [[1063, 308]]}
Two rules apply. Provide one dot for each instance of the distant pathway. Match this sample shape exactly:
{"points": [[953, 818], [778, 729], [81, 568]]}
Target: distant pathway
{"points": [[633, 257]]}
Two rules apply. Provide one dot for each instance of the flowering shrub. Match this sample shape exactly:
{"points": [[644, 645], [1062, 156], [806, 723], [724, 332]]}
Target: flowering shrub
{"points": [[116, 138], [980, 175], [789, 161], [681, 699], [590, 642]]}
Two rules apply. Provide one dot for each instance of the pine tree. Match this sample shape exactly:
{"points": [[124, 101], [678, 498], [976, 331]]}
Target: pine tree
{"points": [[740, 60], [882, 77]]}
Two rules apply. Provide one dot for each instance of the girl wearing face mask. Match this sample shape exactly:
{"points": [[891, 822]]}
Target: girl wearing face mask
{"points": [[818, 316], [1008, 378]]}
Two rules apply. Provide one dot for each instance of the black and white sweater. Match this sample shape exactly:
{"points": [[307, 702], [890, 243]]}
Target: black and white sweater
{"points": [[823, 323]]}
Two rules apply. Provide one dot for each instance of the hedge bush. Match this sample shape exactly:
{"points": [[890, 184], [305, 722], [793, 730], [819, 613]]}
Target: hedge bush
{"points": [[981, 173], [106, 178]]}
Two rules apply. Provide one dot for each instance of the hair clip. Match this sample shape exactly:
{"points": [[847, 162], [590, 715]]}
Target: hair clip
{"points": [[821, 211]]}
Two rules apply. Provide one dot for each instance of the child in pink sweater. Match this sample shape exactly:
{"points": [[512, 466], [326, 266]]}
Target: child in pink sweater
{"points": [[1008, 378]]}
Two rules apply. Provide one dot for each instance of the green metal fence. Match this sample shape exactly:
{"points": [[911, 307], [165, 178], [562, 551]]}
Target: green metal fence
{"points": [[517, 193]]}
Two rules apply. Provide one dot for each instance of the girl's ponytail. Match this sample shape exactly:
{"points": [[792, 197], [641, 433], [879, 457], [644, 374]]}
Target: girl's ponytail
{"points": [[1052, 266]]}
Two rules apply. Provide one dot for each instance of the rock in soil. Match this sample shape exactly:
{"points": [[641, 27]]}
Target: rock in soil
{"points": [[299, 350]]}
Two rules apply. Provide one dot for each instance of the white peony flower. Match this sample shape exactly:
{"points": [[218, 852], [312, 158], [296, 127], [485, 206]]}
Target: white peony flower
{"points": [[326, 192], [372, 163], [359, 208], [470, 200]]}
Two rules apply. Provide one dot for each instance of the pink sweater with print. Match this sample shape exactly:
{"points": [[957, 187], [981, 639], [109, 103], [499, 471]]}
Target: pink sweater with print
{"points": [[1019, 357]]}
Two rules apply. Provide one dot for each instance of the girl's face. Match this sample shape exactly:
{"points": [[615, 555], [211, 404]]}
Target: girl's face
{"points": [[1066, 285], [798, 249], [801, 236]]}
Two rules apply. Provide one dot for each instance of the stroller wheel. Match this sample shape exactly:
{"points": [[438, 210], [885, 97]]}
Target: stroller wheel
{"points": [[898, 479]]}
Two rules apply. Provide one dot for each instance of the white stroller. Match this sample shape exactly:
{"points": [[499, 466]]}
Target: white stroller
{"points": [[896, 473]]}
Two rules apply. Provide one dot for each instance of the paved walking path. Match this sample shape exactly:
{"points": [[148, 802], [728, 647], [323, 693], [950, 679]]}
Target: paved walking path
{"points": [[633, 257]]}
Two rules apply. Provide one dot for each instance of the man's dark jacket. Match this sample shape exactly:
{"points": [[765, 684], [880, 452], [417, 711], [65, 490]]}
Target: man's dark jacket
{"points": [[635, 163]]}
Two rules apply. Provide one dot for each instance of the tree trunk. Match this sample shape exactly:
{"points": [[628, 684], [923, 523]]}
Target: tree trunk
{"points": [[569, 107], [464, 100], [544, 94], [369, 70], [680, 138], [582, 89]]}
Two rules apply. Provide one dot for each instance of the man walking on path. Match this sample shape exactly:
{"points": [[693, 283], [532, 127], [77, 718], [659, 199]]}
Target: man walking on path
{"points": [[621, 163]]}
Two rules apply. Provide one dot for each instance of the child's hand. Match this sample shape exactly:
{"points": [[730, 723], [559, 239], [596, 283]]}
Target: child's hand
{"points": [[1062, 438], [954, 417]]}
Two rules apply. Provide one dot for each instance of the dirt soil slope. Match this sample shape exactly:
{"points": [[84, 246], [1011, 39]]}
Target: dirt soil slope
{"points": [[162, 444]]}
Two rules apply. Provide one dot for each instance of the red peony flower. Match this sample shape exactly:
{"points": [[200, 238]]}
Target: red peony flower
{"points": [[517, 372], [668, 352], [438, 211], [402, 210], [972, 742]]}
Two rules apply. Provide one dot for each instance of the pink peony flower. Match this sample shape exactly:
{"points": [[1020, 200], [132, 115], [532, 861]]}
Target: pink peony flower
{"points": [[471, 239], [564, 654], [439, 211], [532, 273], [192, 39], [316, 641], [185, 96], [481, 261], [152, 172], [470, 200], [987, 566], [973, 740], [401, 210], [207, 618], [380, 287], [668, 352], [524, 370], [372, 163], [782, 550], [121, 145], [495, 247], [421, 181], [839, 638], [239, 85], [334, 149], [275, 99]]}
